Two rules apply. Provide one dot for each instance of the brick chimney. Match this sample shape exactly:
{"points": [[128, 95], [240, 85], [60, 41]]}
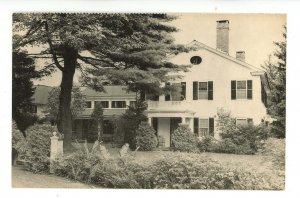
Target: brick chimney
{"points": [[223, 36], [240, 55]]}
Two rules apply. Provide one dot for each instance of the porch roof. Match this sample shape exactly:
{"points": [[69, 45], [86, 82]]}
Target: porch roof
{"points": [[86, 113]]}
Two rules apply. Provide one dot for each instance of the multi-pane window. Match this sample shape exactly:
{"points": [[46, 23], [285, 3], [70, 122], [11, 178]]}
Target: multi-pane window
{"points": [[241, 121], [104, 104], [203, 127], [203, 90], [203, 94], [88, 104], [244, 121], [241, 89], [178, 95], [118, 104], [34, 109]]}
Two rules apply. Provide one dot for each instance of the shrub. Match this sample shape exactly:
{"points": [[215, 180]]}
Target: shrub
{"points": [[275, 149], [172, 171], [78, 165], [227, 145], [207, 144], [18, 140], [36, 152], [128, 123], [241, 139], [182, 171], [184, 140], [146, 139]]}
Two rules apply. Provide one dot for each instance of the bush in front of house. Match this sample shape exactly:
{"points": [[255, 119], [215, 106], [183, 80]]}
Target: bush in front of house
{"points": [[207, 144], [127, 124], [184, 140], [36, 152], [146, 139], [239, 139]]}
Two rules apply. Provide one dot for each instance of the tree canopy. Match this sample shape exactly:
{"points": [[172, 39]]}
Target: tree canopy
{"points": [[127, 49], [276, 72]]}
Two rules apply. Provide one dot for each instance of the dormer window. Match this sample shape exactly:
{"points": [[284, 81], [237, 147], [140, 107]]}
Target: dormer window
{"points": [[196, 60]]}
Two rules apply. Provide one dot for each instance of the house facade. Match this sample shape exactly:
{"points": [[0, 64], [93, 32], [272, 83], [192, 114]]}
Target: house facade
{"points": [[215, 80], [114, 101]]}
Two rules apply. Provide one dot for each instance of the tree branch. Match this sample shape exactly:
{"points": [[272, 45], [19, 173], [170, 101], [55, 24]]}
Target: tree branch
{"points": [[51, 48], [32, 30], [87, 60]]}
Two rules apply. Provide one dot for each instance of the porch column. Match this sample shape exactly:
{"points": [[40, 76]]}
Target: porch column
{"points": [[150, 121], [183, 120]]}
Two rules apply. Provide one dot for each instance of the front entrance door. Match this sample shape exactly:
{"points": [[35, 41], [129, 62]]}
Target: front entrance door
{"points": [[174, 124]]}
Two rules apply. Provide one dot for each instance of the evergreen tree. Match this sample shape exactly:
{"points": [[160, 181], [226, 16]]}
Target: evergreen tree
{"points": [[128, 49], [96, 125], [276, 72], [22, 91], [128, 123]]}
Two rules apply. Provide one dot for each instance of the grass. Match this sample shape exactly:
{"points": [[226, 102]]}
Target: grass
{"points": [[258, 163]]}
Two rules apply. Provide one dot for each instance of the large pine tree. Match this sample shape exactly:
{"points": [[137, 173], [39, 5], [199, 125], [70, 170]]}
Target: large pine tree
{"points": [[128, 49], [23, 71], [276, 72]]}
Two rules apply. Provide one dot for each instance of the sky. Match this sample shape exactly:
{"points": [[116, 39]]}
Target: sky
{"points": [[252, 33]]}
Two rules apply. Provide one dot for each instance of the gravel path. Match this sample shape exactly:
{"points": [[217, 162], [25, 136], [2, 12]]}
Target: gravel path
{"points": [[25, 179]]}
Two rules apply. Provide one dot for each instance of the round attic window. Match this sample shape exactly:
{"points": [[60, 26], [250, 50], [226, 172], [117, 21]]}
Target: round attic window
{"points": [[196, 60]]}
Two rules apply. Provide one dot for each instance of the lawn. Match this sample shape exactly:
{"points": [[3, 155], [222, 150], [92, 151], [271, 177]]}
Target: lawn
{"points": [[258, 163]]}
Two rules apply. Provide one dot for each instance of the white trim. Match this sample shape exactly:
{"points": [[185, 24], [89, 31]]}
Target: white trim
{"points": [[224, 55]]}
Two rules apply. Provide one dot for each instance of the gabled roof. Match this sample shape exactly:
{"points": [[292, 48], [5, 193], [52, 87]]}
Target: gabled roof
{"points": [[110, 91], [41, 94], [199, 45]]}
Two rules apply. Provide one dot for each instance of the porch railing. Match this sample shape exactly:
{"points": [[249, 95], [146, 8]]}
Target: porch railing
{"points": [[167, 104]]}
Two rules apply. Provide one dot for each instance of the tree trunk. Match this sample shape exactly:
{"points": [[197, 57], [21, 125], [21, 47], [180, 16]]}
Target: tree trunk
{"points": [[64, 122]]}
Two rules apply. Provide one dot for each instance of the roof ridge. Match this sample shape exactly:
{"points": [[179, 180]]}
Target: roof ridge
{"points": [[225, 55]]}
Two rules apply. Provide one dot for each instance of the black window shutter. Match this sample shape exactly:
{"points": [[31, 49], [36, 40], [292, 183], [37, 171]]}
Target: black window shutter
{"points": [[196, 126], [233, 90], [142, 95], [250, 121], [210, 90], [183, 90], [211, 127], [195, 90], [249, 89], [168, 95]]}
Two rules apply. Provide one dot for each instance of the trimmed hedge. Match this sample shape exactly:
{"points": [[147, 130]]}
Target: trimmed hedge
{"points": [[36, 148], [146, 139], [184, 140]]}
